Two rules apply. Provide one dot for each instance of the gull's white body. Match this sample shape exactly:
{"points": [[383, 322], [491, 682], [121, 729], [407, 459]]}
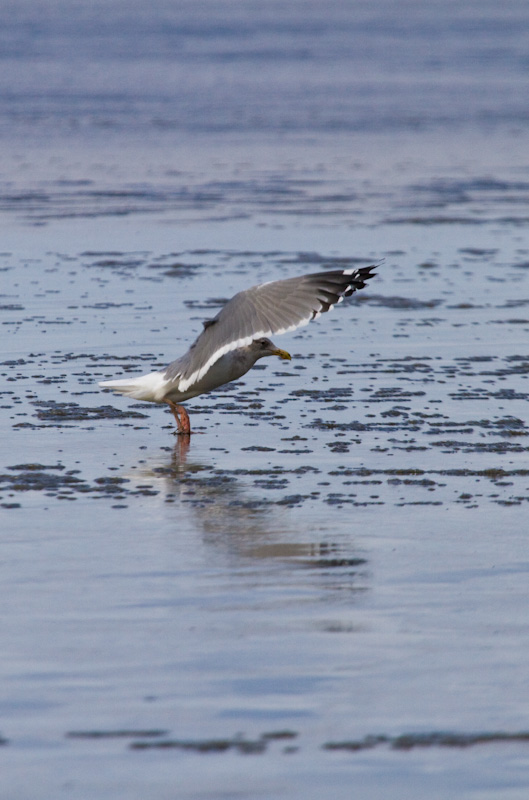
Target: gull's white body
{"points": [[236, 338], [155, 388]]}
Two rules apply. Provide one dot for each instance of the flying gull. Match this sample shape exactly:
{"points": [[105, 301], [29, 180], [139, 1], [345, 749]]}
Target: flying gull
{"points": [[237, 337]]}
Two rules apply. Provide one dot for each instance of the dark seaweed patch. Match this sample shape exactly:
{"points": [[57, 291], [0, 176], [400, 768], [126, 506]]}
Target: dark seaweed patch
{"points": [[52, 411], [120, 733], [57, 482], [239, 744], [399, 303], [410, 741], [156, 739], [279, 735]]}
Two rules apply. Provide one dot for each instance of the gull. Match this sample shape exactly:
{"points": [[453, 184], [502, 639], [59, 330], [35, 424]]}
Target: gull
{"points": [[233, 341]]}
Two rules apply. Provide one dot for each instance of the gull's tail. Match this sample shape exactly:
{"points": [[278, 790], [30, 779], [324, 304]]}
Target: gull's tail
{"points": [[146, 387]]}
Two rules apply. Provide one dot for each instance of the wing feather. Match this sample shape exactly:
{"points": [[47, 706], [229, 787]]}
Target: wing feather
{"points": [[264, 310]]}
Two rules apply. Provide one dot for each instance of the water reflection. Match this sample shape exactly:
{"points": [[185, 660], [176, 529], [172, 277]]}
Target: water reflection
{"points": [[243, 525]]}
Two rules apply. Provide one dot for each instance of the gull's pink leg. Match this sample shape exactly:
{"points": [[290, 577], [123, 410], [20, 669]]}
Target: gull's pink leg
{"points": [[181, 416]]}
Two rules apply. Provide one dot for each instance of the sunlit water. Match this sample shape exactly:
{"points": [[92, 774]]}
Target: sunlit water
{"points": [[325, 590]]}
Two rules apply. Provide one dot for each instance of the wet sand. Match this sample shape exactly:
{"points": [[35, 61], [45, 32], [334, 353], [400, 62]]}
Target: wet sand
{"points": [[326, 587]]}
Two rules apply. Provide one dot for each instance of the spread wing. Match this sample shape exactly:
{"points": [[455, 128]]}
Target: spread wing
{"points": [[262, 311]]}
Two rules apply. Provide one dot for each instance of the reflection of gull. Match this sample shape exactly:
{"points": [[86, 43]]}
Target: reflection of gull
{"points": [[236, 338], [238, 523], [211, 501]]}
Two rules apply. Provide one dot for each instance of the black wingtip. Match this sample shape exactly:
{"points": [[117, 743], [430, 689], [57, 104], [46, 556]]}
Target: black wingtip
{"points": [[367, 272], [360, 278]]}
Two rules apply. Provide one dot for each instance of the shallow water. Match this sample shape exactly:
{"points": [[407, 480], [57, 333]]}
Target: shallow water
{"points": [[326, 588]]}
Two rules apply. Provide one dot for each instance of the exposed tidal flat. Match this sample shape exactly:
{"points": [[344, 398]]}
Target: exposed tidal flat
{"points": [[336, 559], [324, 589]]}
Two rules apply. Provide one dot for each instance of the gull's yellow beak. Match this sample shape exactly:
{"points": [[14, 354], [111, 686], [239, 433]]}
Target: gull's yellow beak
{"points": [[282, 354]]}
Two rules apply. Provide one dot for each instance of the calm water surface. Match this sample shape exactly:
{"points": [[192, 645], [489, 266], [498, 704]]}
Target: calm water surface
{"points": [[325, 590]]}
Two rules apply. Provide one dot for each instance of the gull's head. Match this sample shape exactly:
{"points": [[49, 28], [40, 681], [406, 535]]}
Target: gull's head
{"points": [[264, 347]]}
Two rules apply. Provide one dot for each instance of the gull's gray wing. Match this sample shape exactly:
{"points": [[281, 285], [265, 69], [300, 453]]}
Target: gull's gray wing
{"points": [[262, 311]]}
